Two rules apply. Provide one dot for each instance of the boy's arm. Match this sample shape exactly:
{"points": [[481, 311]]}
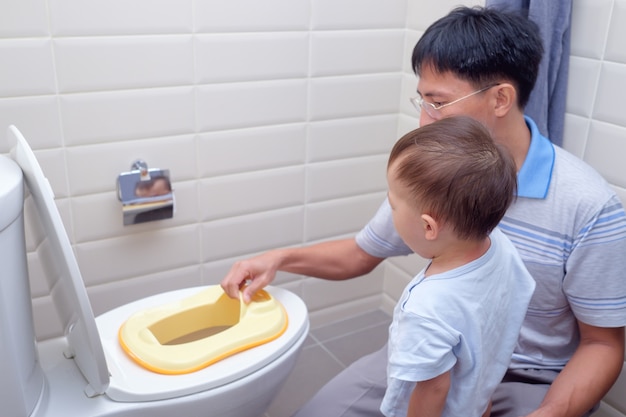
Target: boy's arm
{"points": [[429, 397]]}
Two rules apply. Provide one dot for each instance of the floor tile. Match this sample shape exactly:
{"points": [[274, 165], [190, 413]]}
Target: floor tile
{"points": [[360, 343], [327, 351], [314, 368]]}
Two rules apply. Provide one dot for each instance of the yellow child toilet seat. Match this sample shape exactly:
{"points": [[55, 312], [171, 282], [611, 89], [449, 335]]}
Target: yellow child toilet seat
{"points": [[190, 334]]}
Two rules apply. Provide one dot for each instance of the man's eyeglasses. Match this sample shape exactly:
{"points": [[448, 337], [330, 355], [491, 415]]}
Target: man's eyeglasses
{"points": [[434, 111]]}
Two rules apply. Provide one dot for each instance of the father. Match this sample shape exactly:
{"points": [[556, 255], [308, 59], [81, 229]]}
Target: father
{"points": [[568, 225]]}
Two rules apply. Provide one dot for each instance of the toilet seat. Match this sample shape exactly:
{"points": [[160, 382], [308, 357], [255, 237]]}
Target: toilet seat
{"points": [[92, 342], [130, 382], [155, 338]]}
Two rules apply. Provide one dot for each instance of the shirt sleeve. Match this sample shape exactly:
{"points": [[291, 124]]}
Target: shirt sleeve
{"points": [[421, 348], [595, 281], [379, 237]]}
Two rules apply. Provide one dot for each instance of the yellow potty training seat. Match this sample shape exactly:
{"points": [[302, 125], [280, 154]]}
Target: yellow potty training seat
{"points": [[197, 331]]}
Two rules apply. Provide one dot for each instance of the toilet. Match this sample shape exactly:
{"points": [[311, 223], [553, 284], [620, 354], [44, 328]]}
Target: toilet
{"points": [[86, 372]]}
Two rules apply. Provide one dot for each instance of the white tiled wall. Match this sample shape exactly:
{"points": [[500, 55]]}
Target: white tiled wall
{"points": [[274, 117]]}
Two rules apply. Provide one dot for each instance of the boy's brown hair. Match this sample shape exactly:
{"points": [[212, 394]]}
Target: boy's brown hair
{"points": [[457, 174]]}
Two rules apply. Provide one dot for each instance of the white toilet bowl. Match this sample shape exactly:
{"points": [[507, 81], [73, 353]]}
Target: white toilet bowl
{"points": [[238, 386], [86, 372]]}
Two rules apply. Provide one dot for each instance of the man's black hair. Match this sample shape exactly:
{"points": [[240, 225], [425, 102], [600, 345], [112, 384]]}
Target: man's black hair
{"points": [[483, 46]]}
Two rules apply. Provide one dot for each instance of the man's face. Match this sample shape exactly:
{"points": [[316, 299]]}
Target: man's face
{"points": [[451, 96]]}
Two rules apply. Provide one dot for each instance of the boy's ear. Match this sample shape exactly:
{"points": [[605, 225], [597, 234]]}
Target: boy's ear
{"points": [[430, 226], [506, 98]]}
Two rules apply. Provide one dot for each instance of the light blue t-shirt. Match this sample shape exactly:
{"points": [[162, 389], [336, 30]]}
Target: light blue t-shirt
{"points": [[570, 230], [465, 320]]}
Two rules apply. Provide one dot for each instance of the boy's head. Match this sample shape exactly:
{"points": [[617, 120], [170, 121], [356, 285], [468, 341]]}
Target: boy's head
{"points": [[484, 47], [452, 171]]}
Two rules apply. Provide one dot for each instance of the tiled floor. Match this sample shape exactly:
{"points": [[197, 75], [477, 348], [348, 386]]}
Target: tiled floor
{"points": [[327, 351]]}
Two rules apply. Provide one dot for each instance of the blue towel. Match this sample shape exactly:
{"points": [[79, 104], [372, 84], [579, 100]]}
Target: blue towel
{"points": [[548, 99]]}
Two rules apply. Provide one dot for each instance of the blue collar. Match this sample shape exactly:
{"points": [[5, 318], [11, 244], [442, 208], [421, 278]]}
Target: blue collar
{"points": [[533, 180]]}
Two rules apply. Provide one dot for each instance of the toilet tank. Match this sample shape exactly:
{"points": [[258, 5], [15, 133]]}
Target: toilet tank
{"points": [[21, 377]]}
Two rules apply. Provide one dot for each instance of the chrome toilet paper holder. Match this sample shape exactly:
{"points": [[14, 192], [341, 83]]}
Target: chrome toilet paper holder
{"points": [[146, 194]]}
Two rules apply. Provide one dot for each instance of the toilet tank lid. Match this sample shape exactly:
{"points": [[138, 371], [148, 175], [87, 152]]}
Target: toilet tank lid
{"points": [[70, 296]]}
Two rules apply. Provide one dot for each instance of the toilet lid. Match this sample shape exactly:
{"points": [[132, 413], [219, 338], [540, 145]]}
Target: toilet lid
{"points": [[67, 289]]}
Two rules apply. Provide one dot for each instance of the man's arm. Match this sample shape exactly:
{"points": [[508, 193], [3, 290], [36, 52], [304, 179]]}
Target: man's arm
{"points": [[335, 260], [588, 375], [429, 397]]}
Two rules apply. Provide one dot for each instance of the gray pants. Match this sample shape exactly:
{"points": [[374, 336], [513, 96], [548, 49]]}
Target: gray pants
{"points": [[359, 389]]}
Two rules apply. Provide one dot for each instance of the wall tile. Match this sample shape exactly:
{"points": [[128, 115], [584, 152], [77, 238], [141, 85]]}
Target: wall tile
{"points": [[621, 193], [420, 17], [617, 33], [138, 254], [268, 15], [90, 118], [616, 396], [575, 133], [352, 96], [37, 118], [411, 264], [24, 18], [409, 90], [336, 179], [344, 138], [27, 67], [354, 52], [319, 293], [605, 151], [358, 14], [230, 106], [47, 322], [99, 216], [356, 306], [610, 94], [213, 272], [589, 34], [247, 193], [243, 150], [40, 272], [37, 276], [583, 79], [406, 124], [396, 280], [95, 168], [251, 56], [108, 296], [410, 40], [119, 17], [342, 216], [107, 63], [252, 233]]}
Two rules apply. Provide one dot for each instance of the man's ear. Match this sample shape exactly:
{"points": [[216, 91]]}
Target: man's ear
{"points": [[430, 226], [506, 98]]}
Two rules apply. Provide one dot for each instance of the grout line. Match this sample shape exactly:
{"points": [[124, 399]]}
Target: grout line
{"points": [[353, 332], [325, 349]]}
